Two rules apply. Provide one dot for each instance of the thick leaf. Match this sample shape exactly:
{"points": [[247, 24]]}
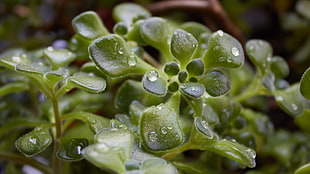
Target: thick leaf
{"points": [[158, 165], [34, 142], [133, 91], [195, 67], [53, 77], [183, 45], [136, 109], [18, 123], [116, 138], [13, 87], [305, 84], [159, 126], [203, 127], [259, 52], [120, 28], [290, 100], [154, 84], [11, 61], [223, 51], [128, 12], [89, 25], [71, 148], [196, 29], [192, 90], [171, 68], [103, 156], [305, 168], [234, 151], [58, 57], [34, 70], [114, 57], [134, 33], [182, 76], [88, 83], [303, 121], [216, 83], [279, 67]]}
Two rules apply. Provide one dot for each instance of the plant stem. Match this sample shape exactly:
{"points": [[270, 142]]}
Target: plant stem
{"points": [[26, 161], [56, 161]]}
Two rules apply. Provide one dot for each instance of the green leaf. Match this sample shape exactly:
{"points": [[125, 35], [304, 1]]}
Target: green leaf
{"points": [[103, 156], [13, 87], [114, 57], [303, 169], [196, 29], [87, 82], [157, 165], [71, 148], [128, 12], [290, 100], [159, 126], [133, 91], [195, 67], [154, 84], [116, 138], [216, 83], [234, 151], [302, 8], [135, 110], [53, 77], [183, 45], [259, 52], [34, 142], [134, 33], [303, 121], [58, 57], [279, 67], [223, 51], [171, 68], [11, 61], [89, 25], [182, 76], [120, 28], [192, 90], [203, 127], [305, 84]]}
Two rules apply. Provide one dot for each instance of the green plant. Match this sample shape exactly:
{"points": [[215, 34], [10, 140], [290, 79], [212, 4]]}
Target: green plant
{"points": [[200, 94]]}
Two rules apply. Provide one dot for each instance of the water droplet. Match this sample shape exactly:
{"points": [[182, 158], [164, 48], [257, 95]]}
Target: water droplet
{"points": [[193, 89], [229, 59], [294, 106], [159, 107], [131, 60], [50, 49], [251, 47], [90, 85], [164, 130], [233, 140], [33, 140], [152, 76], [251, 153], [92, 121], [220, 33], [153, 137], [16, 59], [120, 50], [79, 150], [69, 53], [221, 59], [269, 59], [235, 51], [279, 98], [194, 45]]}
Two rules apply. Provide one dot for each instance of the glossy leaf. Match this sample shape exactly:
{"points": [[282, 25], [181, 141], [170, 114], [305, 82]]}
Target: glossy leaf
{"points": [[171, 68], [114, 58], [88, 83], [303, 169], [259, 51], [128, 12], [216, 83], [34, 70], [159, 126], [157, 165], [154, 84], [195, 67], [134, 33], [71, 148], [290, 100], [223, 51], [133, 91], [135, 110], [58, 57], [279, 67], [183, 45], [203, 127], [120, 28], [303, 121], [53, 77], [34, 142], [13, 87], [192, 90], [305, 84], [11, 61], [182, 76], [196, 29], [89, 25]]}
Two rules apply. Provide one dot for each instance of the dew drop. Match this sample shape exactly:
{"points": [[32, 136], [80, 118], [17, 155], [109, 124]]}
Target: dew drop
{"points": [[251, 153], [153, 137], [279, 98], [220, 33], [79, 150], [50, 49], [235, 51], [221, 59], [33, 140], [164, 130], [152, 76], [229, 60], [16, 59], [269, 59], [131, 60], [294, 106], [120, 50]]}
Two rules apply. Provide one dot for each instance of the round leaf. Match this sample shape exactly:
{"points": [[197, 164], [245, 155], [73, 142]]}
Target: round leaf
{"points": [[183, 45], [223, 51], [58, 57], [34, 142], [114, 58], [171, 68], [195, 67], [216, 83], [279, 67], [193, 90], [154, 84], [88, 83], [127, 12], [203, 127], [89, 25], [196, 29], [305, 84]]}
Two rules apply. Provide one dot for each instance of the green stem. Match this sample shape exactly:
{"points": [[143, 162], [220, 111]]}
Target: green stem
{"points": [[56, 161], [186, 146], [25, 161]]}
